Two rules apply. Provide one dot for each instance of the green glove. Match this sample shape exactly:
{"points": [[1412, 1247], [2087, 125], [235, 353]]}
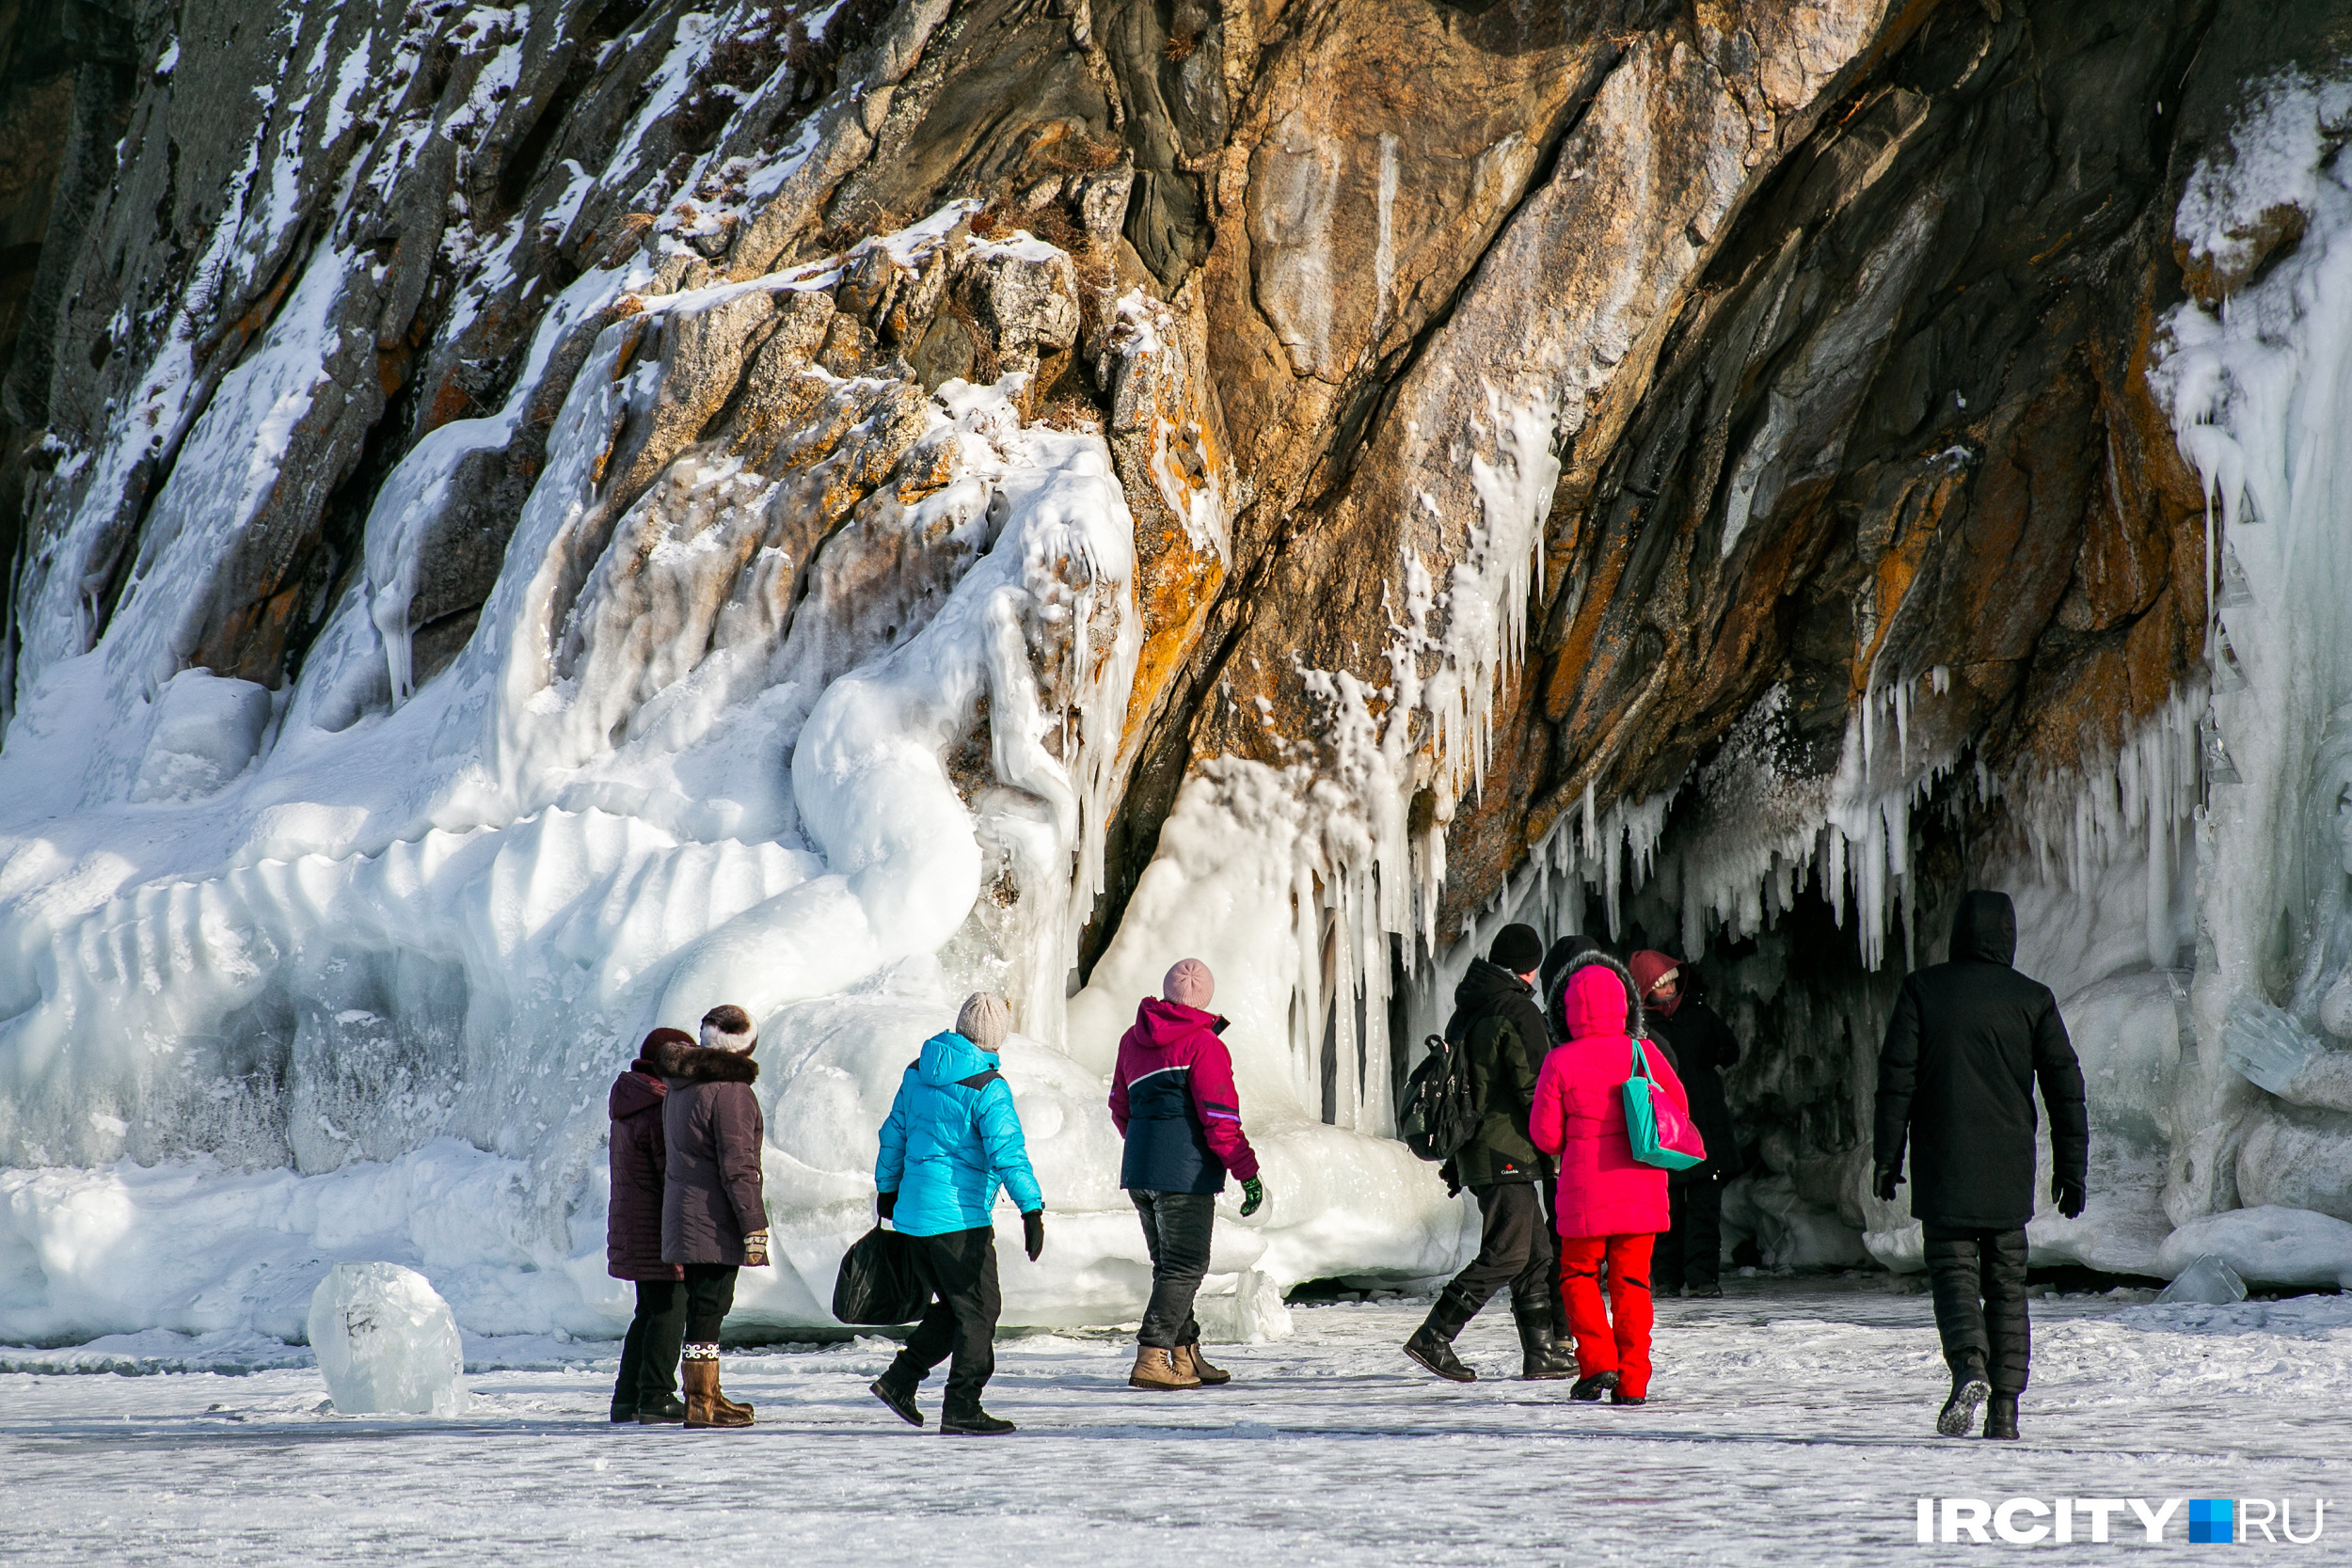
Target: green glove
{"points": [[1252, 1196]]}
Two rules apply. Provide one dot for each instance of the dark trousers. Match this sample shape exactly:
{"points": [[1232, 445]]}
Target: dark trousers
{"points": [[960, 1270], [1517, 1248], [649, 1352], [1978, 1277], [1691, 1252], [1176, 1226], [709, 1295]]}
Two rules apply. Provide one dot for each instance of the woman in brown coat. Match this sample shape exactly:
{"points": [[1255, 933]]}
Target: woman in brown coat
{"points": [[714, 1219], [646, 1390]]}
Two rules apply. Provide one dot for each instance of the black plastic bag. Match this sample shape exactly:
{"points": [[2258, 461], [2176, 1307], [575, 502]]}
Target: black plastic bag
{"points": [[877, 1283]]}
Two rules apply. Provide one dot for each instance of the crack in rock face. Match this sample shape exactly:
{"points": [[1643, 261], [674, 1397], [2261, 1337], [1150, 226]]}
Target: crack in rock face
{"points": [[526, 523]]}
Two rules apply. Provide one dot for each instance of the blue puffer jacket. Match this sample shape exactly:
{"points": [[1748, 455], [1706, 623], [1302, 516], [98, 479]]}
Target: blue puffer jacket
{"points": [[952, 1137]]}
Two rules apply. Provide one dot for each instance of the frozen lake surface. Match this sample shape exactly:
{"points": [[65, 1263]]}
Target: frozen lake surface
{"points": [[1791, 1422]]}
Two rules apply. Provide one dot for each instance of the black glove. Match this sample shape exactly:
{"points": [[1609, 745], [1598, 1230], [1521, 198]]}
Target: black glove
{"points": [[1451, 1175], [1033, 1232], [884, 1203], [2070, 1196], [1885, 1181], [1252, 1195]]}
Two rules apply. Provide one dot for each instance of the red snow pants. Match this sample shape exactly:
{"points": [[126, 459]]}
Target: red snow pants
{"points": [[1615, 1341]]}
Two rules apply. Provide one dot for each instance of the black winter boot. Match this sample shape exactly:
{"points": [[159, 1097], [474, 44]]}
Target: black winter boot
{"points": [[899, 1396], [2000, 1417], [974, 1422], [1589, 1389], [670, 1411], [1959, 1414], [1432, 1343], [1542, 1358]]}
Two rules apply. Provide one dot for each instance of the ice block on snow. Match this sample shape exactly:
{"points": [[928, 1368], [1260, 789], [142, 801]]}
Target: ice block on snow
{"points": [[2208, 1280], [386, 1341]]}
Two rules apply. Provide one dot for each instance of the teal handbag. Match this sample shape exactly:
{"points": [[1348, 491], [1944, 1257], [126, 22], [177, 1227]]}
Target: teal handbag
{"points": [[1661, 1135]]}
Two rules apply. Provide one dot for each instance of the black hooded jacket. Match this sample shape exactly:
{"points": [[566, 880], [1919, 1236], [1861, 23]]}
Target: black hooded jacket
{"points": [[1969, 1039], [1702, 1045], [1504, 1043]]}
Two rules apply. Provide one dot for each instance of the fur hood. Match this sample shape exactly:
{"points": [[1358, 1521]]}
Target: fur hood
{"points": [[1636, 1022], [696, 1063]]}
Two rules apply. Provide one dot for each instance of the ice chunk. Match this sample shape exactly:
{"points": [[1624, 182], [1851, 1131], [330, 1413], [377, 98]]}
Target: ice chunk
{"points": [[2208, 1280], [1249, 1314], [207, 729], [386, 1341], [1792, 1231], [2268, 1047]]}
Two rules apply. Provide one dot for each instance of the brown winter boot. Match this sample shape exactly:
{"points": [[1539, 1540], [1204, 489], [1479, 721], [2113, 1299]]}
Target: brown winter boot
{"points": [[705, 1406], [1159, 1371], [1190, 1358]]}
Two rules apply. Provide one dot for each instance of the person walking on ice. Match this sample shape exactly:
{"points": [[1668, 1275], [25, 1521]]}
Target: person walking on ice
{"points": [[1500, 1030], [1612, 1206], [714, 1215], [1969, 1040], [952, 1139], [1173, 1101]]}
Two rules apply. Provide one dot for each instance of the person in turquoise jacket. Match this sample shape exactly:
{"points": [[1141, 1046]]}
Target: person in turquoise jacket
{"points": [[952, 1139]]}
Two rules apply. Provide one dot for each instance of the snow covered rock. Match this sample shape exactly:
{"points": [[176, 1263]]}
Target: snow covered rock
{"points": [[2267, 1244], [385, 1342], [206, 731]]}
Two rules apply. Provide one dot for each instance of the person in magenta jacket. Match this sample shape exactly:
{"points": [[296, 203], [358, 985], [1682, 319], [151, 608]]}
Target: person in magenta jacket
{"points": [[1610, 1206], [1173, 1099]]}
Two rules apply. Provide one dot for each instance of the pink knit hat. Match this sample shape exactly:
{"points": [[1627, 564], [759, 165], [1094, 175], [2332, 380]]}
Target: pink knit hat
{"points": [[1189, 984]]}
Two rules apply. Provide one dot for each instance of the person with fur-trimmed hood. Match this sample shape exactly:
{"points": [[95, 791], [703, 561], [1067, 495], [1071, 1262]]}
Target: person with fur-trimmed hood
{"points": [[714, 1215], [953, 1137], [646, 1390], [1611, 1205], [1499, 1030]]}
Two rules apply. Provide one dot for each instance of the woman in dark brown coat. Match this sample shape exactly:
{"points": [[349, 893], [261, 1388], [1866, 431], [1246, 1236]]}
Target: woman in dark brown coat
{"points": [[646, 1390], [714, 1219]]}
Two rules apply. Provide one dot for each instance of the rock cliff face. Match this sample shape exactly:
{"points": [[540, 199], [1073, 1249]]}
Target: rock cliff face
{"points": [[529, 521]]}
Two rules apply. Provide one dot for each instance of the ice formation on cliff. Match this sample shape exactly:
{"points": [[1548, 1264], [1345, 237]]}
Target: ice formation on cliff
{"points": [[826, 719], [398, 935]]}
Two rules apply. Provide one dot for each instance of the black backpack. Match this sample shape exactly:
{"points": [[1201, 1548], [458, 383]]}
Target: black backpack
{"points": [[1438, 1116]]}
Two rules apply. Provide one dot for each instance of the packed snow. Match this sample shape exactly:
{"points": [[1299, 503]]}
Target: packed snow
{"points": [[1791, 1422]]}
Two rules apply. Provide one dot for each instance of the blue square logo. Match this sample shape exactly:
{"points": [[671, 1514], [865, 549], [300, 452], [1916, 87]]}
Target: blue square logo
{"points": [[2211, 1521]]}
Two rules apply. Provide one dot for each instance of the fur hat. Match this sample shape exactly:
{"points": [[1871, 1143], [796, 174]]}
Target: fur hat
{"points": [[1189, 984], [728, 1027], [1516, 948], [649, 1055], [984, 1020]]}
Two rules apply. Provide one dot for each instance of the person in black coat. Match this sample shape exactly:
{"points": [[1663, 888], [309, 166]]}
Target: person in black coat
{"points": [[1503, 1039], [1969, 1039], [1689, 1257]]}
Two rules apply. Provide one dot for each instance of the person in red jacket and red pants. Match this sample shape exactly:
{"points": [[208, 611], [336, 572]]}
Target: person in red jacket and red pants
{"points": [[1611, 1205], [1173, 1099]]}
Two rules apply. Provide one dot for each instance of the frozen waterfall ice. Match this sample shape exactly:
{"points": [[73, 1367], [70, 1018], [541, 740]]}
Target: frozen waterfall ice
{"points": [[386, 1343], [822, 717]]}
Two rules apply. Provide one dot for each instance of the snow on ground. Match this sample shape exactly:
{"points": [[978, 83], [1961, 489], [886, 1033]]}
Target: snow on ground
{"points": [[1792, 1423]]}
